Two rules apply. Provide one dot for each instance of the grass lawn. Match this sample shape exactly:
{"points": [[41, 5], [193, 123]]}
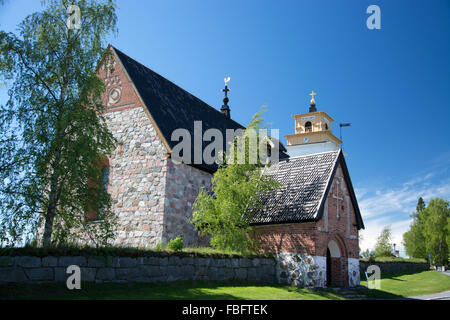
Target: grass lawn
{"points": [[393, 286], [192, 290], [398, 285]]}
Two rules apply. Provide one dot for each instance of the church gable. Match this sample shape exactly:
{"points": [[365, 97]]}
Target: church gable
{"points": [[306, 182], [172, 107], [340, 196]]}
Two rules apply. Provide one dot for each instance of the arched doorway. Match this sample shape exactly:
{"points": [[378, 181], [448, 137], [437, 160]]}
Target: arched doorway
{"points": [[336, 264]]}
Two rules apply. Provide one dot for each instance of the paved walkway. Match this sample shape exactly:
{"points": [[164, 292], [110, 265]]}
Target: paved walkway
{"points": [[435, 296]]}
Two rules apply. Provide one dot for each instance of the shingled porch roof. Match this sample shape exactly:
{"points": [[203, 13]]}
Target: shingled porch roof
{"points": [[305, 181]]}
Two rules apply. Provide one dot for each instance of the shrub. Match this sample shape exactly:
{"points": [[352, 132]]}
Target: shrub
{"points": [[176, 244]]}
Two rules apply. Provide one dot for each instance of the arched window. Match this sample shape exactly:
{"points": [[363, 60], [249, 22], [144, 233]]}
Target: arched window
{"points": [[308, 126], [105, 177], [104, 186], [326, 126]]}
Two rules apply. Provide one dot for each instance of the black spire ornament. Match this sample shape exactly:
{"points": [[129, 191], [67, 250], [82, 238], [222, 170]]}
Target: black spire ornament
{"points": [[225, 108]]}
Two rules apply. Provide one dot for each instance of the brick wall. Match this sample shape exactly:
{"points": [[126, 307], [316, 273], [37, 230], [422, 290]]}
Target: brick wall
{"points": [[338, 224]]}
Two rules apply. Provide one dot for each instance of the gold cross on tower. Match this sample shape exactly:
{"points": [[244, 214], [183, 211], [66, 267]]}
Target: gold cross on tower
{"points": [[312, 94]]}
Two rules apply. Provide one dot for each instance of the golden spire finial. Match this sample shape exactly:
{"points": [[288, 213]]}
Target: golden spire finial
{"points": [[312, 94]]}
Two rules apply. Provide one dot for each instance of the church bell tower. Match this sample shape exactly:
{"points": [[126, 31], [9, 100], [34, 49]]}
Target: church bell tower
{"points": [[313, 132]]}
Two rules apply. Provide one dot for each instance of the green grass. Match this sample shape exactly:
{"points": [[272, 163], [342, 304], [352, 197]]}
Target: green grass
{"points": [[393, 286], [395, 259], [159, 250], [203, 290], [400, 285]]}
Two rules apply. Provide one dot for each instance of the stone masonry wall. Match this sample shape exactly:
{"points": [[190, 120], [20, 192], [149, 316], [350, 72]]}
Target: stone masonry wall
{"points": [[152, 195], [136, 182], [28, 269], [183, 184], [392, 267]]}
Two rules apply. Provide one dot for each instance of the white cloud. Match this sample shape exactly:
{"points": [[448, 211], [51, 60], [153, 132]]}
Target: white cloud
{"points": [[393, 205], [374, 228]]}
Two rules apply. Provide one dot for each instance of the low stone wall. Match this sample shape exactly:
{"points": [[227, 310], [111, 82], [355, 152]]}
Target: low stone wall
{"points": [[393, 267], [30, 269]]}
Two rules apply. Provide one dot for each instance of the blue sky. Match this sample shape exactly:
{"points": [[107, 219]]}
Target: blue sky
{"points": [[392, 84]]}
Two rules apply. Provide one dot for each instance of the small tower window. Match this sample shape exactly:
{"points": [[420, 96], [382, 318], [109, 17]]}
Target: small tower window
{"points": [[105, 177], [308, 126], [326, 126]]}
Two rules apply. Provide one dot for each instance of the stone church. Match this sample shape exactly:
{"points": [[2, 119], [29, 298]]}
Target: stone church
{"points": [[311, 223]]}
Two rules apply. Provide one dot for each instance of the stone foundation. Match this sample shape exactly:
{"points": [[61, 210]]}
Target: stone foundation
{"points": [[301, 270]]}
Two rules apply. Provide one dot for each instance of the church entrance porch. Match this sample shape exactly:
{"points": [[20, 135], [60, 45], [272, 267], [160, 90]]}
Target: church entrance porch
{"points": [[337, 265]]}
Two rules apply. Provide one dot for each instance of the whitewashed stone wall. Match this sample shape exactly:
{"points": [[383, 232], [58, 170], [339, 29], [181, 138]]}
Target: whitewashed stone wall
{"points": [[301, 270], [137, 181], [353, 272]]}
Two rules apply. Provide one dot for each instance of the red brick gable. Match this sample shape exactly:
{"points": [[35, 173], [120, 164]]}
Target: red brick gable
{"points": [[120, 93]]}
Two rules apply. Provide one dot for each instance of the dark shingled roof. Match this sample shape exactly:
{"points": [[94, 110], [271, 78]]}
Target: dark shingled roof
{"points": [[305, 181], [173, 107]]}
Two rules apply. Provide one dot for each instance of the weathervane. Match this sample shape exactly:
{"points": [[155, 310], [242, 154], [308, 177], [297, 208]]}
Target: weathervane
{"points": [[226, 81]]}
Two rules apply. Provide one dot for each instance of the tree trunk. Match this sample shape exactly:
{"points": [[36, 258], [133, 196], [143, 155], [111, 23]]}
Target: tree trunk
{"points": [[52, 200], [50, 217]]}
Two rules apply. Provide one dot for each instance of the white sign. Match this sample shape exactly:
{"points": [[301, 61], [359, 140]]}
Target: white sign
{"points": [[308, 118]]}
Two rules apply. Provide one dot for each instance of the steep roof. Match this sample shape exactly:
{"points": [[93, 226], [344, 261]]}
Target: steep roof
{"points": [[305, 181], [173, 107]]}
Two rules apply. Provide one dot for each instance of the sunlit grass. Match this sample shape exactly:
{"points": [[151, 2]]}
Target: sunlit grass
{"points": [[192, 290], [410, 284]]}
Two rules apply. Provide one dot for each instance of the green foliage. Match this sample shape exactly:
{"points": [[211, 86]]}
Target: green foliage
{"points": [[436, 230], [373, 259], [365, 254], [420, 205], [53, 133], [30, 250], [429, 232], [160, 246], [414, 239], [384, 243], [176, 244], [224, 212]]}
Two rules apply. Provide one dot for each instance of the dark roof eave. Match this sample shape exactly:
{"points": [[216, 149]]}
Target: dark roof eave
{"points": [[341, 160], [284, 222]]}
